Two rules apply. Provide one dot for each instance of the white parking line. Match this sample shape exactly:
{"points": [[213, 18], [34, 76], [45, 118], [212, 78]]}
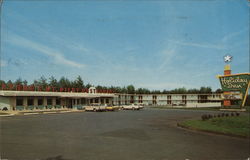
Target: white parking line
{"points": [[49, 112], [29, 113], [65, 111]]}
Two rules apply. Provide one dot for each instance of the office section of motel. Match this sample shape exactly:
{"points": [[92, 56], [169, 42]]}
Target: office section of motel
{"points": [[29, 100]]}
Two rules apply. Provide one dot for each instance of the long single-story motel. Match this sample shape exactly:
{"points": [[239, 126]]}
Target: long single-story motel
{"points": [[29, 100]]}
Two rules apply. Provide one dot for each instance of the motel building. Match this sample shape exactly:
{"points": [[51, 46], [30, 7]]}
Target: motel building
{"points": [[40, 100], [173, 100], [30, 100]]}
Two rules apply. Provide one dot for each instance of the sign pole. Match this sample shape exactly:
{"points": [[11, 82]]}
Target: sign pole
{"points": [[245, 97]]}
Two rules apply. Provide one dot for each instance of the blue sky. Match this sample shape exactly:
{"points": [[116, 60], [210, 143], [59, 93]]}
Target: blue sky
{"points": [[161, 44]]}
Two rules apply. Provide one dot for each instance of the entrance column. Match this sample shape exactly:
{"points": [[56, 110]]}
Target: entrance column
{"points": [[45, 102], [35, 101], [25, 102]]}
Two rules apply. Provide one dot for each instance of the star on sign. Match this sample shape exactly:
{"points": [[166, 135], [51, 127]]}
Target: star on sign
{"points": [[228, 58]]}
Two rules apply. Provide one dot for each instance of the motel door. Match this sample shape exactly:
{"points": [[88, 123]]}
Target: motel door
{"points": [[69, 103]]}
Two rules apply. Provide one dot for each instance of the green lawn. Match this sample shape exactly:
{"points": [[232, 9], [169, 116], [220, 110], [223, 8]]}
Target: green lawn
{"points": [[200, 108], [239, 126]]}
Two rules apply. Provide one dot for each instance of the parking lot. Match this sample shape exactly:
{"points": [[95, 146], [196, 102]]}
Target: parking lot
{"points": [[148, 134]]}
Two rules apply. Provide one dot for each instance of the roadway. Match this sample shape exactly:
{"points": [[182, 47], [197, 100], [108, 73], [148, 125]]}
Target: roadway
{"points": [[149, 134]]}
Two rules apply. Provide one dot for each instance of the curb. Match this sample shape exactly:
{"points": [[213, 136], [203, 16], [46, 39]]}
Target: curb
{"points": [[38, 113], [213, 132], [7, 115]]}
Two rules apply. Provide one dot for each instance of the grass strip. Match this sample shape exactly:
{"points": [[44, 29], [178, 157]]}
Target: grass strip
{"points": [[237, 126]]}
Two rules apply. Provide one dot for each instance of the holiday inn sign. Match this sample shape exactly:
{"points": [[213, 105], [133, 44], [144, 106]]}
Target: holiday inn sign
{"points": [[236, 83]]}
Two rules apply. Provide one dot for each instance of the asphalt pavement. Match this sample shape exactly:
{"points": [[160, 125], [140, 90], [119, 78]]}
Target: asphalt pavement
{"points": [[148, 134]]}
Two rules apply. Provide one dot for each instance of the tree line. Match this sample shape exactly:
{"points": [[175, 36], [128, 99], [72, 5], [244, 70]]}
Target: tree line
{"points": [[64, 82]]}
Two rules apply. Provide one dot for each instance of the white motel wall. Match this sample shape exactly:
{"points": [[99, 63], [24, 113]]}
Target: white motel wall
{"points": [[173, 100], [29, 100]]}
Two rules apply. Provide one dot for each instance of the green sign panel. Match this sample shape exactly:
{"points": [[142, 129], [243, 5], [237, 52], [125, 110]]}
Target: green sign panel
{"points": [[237, 82]]}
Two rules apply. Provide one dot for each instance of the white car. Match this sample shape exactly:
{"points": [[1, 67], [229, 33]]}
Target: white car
{"points": [[131, 107], [140, 105], [95, 108]]}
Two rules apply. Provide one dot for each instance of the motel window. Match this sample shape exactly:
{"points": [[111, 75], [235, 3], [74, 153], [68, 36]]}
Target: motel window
{"points": [[57, 101], [19, 102], [91, 100], [78, 101], [30, 102], [40, 102], [102, 101], [49, 101], [83, 101], [96, 101], [107, 100]]}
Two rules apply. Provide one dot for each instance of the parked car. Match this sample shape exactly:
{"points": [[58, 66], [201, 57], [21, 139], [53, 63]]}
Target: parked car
{"points": [[140, 105], [95, 107], [130, 107], [109, 107]]}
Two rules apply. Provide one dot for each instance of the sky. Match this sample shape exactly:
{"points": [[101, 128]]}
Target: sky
{"points": [[160, 44]]}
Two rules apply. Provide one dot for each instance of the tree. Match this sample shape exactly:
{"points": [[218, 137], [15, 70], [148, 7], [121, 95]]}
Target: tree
{"points": [[42, 82], [124, 90], [25, 82], [118, 89], [53, 82], [78, 83], [156, 92], [19, 81], [139, 91], [205, 90], [9, 84], [2, 82], [130, 89], [64, 83], [218, 90], [88, 85], [194, 90], [35, 83]]}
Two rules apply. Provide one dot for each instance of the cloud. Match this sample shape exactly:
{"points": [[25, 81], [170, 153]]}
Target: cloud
{"points": [[3, 63], [56, 55], [201, 45], [233, 34], [167, 54]]}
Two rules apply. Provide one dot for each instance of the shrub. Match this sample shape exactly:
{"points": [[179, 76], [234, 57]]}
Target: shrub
{"points": [[5, 109], [204, 117], [210, 116], [219, 115], [232, 114]]}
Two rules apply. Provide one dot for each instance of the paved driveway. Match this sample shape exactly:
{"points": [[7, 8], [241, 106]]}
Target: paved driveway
{"points": [[149, 134]]}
